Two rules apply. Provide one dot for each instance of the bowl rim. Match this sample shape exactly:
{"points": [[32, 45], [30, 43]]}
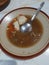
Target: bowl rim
{"points": [[23, 57]]}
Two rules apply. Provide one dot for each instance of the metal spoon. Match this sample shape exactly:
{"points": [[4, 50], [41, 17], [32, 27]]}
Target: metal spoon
{"points": [[27, 27]]}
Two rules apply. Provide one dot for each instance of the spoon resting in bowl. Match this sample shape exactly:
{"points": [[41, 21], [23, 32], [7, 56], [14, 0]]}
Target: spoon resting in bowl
{"points": [[27, 27]]}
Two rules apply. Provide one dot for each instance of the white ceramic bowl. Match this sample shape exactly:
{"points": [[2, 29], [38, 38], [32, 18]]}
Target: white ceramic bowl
{"points": [[24, 52]]}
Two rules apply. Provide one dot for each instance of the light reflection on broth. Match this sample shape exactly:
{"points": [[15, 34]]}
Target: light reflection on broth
{"points": [[24, 40]]}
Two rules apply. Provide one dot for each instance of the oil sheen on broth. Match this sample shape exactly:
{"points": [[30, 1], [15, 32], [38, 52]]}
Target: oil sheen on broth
{"points": [[24, 40]]}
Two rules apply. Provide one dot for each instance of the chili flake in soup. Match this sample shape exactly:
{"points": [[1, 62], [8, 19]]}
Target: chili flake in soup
{"points": [[24, 40]]}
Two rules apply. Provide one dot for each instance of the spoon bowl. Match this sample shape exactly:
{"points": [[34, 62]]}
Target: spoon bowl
{"points": [[27, 27]]}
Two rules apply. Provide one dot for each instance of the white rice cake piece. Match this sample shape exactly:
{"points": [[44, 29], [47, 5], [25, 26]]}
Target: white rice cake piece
{"points": [[16, 25], [22, 19]]}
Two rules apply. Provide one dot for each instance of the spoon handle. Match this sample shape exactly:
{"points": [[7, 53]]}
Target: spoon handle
{"points": [[38, 10]]}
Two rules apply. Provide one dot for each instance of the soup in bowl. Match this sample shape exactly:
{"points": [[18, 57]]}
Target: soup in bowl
{"points": [[24, 45]]}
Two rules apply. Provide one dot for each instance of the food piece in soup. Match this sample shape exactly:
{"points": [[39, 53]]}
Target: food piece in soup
{"points": [[22, 19], [16, 25]]}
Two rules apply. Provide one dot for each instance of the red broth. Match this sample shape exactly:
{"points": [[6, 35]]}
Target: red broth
{"points": [[24, 40]]}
